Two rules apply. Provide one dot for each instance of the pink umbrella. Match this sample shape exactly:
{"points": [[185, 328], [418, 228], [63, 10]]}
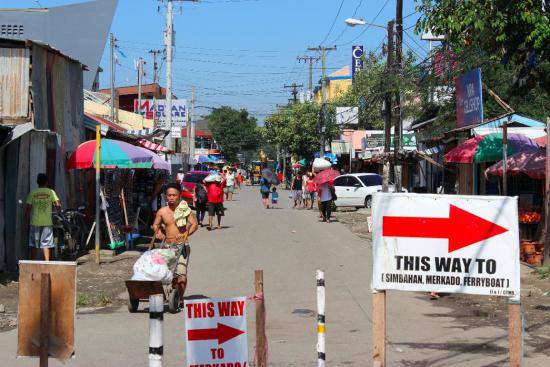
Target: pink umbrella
{"points": [[325, 176], [531, 163]]}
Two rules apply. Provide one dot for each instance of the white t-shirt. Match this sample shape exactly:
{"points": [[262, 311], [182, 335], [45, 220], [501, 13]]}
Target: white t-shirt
{"points": [[326, 195], [230, 179]]}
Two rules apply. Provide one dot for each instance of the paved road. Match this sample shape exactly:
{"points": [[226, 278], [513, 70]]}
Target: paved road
{"points": [[289, 245]]}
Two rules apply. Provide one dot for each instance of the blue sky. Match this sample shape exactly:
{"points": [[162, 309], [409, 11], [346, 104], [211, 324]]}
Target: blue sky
{"points": [[242, 52]]}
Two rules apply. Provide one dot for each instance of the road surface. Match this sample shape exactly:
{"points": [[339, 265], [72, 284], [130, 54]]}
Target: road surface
{"points": [[289, 245]]}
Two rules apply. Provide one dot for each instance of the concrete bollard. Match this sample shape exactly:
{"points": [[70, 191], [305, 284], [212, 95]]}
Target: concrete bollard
{"points": [[320, 318], [156, 316]]}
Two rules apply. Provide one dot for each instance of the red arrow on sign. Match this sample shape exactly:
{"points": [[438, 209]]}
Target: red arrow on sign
{"points": [[462, 228], [223, 333]]}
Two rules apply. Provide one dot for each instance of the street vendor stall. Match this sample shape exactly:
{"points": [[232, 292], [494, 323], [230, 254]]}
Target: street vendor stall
{"points": [[126, 171], [528, 169]]}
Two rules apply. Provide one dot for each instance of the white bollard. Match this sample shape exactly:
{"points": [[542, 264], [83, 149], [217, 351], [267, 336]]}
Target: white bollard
{"points": [[156, 316], [320, 318]]}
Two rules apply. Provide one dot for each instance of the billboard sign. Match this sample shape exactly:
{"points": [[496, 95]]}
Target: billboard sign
{"points": [[469, 99], [446, 243], [156, 109], [347, 115], [356, 59]]}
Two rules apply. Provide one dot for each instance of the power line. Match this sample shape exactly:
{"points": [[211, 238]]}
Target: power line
{"points": [[368, 25], [346, 27], [333, 22]]}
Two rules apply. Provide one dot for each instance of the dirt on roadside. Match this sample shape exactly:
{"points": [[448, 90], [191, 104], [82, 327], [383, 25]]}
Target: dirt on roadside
{"points": [[473, 311], [98, 287]]}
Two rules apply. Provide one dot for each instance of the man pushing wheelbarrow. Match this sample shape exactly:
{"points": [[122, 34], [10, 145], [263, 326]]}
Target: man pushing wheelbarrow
{"points": [[173, 225]]}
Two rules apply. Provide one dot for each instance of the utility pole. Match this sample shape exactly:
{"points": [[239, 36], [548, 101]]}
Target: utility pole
{"points": [[140, 74], [191, 128], [294, 92], [388, 112], [323, 50], [155, 64], [112, 56], [310, 60], [169, 54], [398, 127]]}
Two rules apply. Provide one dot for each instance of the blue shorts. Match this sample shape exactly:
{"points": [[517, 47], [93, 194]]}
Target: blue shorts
{"points": [[41, 237]]}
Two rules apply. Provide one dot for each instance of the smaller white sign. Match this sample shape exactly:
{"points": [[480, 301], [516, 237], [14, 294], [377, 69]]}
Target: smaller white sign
{"points": [[175, 132], [446, 243], [216, 332], [347, 115]]}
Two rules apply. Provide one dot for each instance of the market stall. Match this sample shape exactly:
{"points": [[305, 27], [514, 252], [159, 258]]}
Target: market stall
{"points": [[130, 177]]}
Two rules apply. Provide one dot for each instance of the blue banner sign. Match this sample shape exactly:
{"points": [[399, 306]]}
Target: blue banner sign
{"points": [[356, 59], [469, 99]]}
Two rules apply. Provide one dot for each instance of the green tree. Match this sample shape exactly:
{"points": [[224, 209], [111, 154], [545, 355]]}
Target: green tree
{"points": [[508, 40], [235, 131], [294, 127]]}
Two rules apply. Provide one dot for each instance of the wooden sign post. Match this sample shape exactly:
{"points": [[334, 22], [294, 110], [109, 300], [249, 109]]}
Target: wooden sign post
{"points": [[379, 329], [45, 309], [261, 339]]}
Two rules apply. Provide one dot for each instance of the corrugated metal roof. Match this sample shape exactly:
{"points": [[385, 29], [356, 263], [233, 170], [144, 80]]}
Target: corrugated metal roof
{"points": [[14, 83]]}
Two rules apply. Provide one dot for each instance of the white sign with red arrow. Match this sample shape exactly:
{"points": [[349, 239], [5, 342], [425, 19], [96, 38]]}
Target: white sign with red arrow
{"points": [[446, 243], [216, 332]]}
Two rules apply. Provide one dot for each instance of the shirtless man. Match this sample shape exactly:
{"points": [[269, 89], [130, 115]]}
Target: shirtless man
{"points": [[171, 235]]}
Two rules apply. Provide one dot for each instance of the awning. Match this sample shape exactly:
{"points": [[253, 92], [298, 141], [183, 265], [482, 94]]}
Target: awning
{"points": [[14, 133], [91, 121], [198, 133], [530, 132], [153, 146]]}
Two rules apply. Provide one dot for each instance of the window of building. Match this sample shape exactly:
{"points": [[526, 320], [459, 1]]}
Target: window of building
{"points": [[12, 30]]}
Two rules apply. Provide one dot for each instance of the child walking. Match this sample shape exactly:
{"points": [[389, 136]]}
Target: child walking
{"points": [[274, 197]]}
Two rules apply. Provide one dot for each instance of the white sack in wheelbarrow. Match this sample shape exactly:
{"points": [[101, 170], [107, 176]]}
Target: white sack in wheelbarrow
{"points": [[152, 266], [320, 164]]}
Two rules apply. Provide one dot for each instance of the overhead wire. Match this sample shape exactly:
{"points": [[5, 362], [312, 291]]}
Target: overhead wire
{"points": [[368, 25], [333, 23], [346, 26]]}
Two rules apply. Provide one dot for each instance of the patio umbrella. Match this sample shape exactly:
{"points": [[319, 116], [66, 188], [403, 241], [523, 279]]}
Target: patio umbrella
{"points": [[158, 162], [203, 159], [114, 154], [268, 174], [532, 163], [325, 176], [488, 148]]}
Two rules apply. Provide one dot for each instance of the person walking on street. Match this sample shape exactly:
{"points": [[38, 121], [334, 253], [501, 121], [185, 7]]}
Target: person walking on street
{"points": [[311, 190], [215, 202], [200, 198], [296, 188], [39, 210], [173, 225], [264, 190], [229, 184], [274, 197], [325, 195]]}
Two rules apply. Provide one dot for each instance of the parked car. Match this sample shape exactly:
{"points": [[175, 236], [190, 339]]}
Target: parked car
{"points": [[189, 182], [356, 189]]}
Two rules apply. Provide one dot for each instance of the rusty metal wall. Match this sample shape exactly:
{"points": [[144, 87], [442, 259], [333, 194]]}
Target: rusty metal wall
{"points": [[14, 84]]}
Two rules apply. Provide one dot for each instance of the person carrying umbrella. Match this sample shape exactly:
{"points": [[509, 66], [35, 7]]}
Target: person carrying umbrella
{"points": [[325, 183]]}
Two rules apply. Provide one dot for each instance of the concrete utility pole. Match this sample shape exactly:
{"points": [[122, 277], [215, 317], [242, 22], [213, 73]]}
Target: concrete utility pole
{"points": [[398, 127], [310, 60], [140, 74], [388, 113], [323, 50], [294, 92], [191, 129], [112, 56], [169, 54], [155, 64]]}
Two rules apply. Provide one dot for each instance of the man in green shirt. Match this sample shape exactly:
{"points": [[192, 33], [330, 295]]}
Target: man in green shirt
{"points": [[39, 209]]}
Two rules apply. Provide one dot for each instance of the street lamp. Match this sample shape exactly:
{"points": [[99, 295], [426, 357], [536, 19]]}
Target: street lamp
{"points": [[352, 22]]}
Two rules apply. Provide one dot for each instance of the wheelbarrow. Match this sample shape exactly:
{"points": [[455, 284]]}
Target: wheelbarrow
{"points": [[140, 290]]}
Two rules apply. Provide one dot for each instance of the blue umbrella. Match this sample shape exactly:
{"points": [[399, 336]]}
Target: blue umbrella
{"points": [[203, 159]]}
